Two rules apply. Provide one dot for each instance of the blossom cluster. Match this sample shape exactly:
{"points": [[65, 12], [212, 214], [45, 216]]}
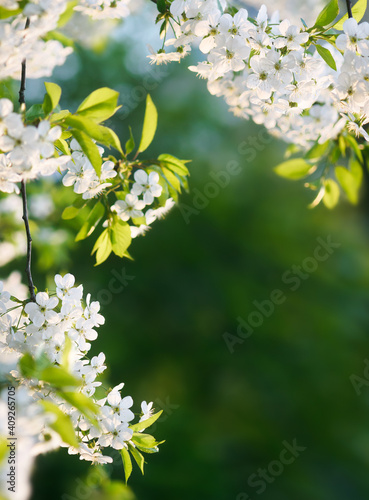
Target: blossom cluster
{"points": [[143, 193], [59, 328], [270, 71], [23, 35], [26, 151]]}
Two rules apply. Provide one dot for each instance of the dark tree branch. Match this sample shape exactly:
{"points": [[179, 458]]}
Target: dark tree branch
{"points": [[22, 103], [349, 11], [31, 286], [22, 89]]}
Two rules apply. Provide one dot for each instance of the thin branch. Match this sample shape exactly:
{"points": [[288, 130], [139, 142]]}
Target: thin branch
{"points": [[349, 11], [22, 89], [31, 286], [22, 102]]}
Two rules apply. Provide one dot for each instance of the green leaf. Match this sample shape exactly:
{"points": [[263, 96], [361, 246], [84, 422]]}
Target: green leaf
{"points": [[70, 213], [95, 216], [127, 463], [67, 14], [62, 145], [60, 37], [103, 135], [35, 112], [141, 426], [120, 237], [332, 193], [149, 126], [103, 247], [62, 425], [59, 377], [66, 352], [358, 11], [161, 5], [83, 403], [89, 148], [355, 146], [130, 144], [293, 169], [172, 179], [145, 442], [52, 97], [27, 365], [174, 164], [5, 13], [327, 56], [357, 171], [317, 151], [328, 14], [140, 461], [99, 105], [348, 183]]}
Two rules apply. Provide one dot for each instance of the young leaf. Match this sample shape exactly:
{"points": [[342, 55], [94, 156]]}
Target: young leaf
{"points": [[332, 193], [83, 403], [127, 463], [358, 11], [120, 237], [144, 440], [327, 56], [149, 126], [89, 148], [348, 183], [62, 425], [162, 7], [99, 105], [5, 13], [328, 14], [172, 179], [70, 213], [140, 461], [59, 377], [27, 365], [130, 144], [293, 169], [95, 216], [174, 164], [102, 247], [103, 135], [35, 112], [357, 171], [317, 151], [62, 145], [52, 97], [141, 426]]}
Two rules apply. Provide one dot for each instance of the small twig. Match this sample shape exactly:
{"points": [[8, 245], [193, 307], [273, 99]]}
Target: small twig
{"points": [[31, 286], [22, 102], [349, 11], [22, 89]]}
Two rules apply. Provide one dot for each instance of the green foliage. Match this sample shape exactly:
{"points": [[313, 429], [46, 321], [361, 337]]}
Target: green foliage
{"points": [[327, 56], [62, 424], [294, 169], [328, 14], [358, 11], [95, 216], [52, 97], [331, 194], [99, 105], [149, 125]]}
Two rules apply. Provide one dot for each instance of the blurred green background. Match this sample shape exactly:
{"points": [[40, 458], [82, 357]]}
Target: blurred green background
{"points": [[225, 415]]}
